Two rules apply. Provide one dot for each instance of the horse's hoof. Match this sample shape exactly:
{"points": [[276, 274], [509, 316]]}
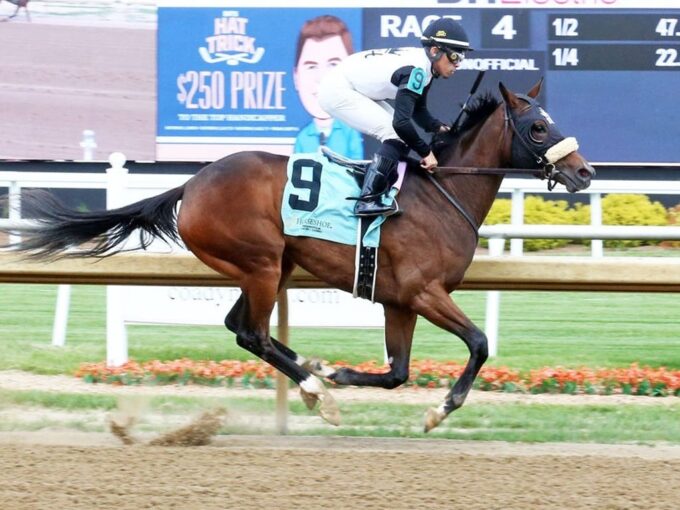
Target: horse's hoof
{"points": [[433, 417], [310, 399], [329, 410], [315, 389], [317, 367], [341, 376]]}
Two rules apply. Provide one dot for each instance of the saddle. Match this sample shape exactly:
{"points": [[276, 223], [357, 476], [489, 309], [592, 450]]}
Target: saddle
{"points": [[355, 167]]}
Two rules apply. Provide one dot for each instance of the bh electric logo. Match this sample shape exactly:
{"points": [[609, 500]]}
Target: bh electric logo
{"points": [[230, 42]]}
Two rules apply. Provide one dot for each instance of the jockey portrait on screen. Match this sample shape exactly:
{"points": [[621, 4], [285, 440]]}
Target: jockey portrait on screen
{"points": [[322, 44]]}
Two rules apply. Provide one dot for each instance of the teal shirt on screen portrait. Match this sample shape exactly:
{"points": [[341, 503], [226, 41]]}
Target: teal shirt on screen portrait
{"points": [[342, 139]]}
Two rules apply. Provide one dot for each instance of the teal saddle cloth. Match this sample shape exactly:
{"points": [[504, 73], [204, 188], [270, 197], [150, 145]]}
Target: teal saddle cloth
{"points": [[315, 202]]}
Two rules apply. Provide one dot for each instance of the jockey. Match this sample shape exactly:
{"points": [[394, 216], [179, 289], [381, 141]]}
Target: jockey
{"points": [[355, 91]]}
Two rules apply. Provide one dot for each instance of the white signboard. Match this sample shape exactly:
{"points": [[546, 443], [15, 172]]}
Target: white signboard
{"points": [[210, 305]]}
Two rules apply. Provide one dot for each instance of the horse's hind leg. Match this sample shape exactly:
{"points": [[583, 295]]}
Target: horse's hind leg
{"points": [[313, 365], [399, 326], [236, 316], [239, 313], [249, 319]]}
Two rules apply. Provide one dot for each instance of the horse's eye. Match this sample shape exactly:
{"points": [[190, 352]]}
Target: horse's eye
{"points": [[539, 132]]}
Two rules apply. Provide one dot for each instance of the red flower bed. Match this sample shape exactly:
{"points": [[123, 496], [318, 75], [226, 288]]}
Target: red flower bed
{"points": [[633, 380]]}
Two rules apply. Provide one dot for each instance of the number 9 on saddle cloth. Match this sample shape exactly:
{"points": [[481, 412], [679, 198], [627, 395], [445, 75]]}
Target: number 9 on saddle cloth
{"points": [[318, 201]]}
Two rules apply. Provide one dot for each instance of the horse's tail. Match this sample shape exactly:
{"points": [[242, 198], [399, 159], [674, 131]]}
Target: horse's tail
{"points": [[58, 228]]}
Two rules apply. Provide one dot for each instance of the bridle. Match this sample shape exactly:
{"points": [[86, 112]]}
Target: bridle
{"points": [[540, 166], [543, 164], [556, 148]]}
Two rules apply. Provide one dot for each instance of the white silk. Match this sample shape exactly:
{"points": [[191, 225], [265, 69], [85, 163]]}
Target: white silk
{"points": [[355, 92], [341, 101]]}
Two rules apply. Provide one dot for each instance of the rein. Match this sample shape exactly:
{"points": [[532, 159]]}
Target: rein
{"points": [[471, 170], [546, 163], [455, 204], [474, 170]]}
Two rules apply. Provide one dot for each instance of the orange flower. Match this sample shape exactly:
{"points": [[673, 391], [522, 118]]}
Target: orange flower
{"points": [[557, 378]]}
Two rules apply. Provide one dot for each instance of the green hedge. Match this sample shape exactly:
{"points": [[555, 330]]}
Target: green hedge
{"points": [[632, 210], [616, 210]]}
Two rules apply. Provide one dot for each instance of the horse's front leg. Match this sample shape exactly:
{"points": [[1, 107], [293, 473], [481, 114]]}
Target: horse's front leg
{"points": [[399, 326], [436, 306]]}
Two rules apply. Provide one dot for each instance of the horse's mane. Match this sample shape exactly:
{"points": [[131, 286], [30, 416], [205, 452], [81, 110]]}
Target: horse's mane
{"points": [[482, 106]]}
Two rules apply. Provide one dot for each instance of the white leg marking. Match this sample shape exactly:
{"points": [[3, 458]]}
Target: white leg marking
{"points": [[313, 385], [434, 417], [329, 409]]}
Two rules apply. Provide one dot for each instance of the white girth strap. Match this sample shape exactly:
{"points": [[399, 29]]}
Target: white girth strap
{"points": [[561, 150]]}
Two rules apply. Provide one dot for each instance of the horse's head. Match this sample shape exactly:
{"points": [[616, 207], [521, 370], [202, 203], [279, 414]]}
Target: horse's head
{"points": [[537, 142]]}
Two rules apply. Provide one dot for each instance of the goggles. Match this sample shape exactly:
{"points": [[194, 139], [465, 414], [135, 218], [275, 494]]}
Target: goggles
{"points": [[455, 57]]}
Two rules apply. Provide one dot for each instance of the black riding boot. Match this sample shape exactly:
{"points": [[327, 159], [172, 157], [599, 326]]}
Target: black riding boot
{"points": [[380, 175]]}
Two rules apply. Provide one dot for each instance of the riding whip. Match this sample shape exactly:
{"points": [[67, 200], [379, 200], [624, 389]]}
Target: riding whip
{"points": [[474, 88]]}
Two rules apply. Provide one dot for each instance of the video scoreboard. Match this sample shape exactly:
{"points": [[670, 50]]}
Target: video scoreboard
{"points": [[612, 77], [611, 68]]}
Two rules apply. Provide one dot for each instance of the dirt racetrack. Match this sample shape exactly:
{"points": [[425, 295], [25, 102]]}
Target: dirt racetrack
{"points": [[78, 470], [62, 469]]}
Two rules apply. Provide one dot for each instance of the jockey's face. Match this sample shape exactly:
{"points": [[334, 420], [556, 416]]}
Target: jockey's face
{"points": [[443, 65]]}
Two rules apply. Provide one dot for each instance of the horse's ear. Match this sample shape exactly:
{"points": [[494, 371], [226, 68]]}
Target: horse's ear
{"points": [[508, 96], [536, 90]]}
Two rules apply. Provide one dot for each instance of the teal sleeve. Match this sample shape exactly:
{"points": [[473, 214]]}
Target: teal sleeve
{"points": [[416, 80]]}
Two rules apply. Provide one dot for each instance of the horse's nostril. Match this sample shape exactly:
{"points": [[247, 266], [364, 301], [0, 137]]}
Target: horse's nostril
{"points": [[583, 173]]}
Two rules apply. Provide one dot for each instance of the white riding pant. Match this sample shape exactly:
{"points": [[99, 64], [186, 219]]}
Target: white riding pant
{"points": [[340, 100]]}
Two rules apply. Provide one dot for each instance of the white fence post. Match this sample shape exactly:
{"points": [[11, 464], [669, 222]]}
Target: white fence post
{"points": [[116, 335], [61, 315], [516, 218], [88, 145], [63, 291], [597, 245], [14, 204], [493, 301]]}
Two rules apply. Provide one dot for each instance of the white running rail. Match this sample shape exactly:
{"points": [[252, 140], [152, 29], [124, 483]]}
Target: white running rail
{"points": [[117, 181]]}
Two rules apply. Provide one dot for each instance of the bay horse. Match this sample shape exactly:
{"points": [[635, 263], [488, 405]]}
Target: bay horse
{"points": [[230, 219]]}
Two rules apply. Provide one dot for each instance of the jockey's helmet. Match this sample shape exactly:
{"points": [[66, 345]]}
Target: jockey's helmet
{"points": [[447, 35]]}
